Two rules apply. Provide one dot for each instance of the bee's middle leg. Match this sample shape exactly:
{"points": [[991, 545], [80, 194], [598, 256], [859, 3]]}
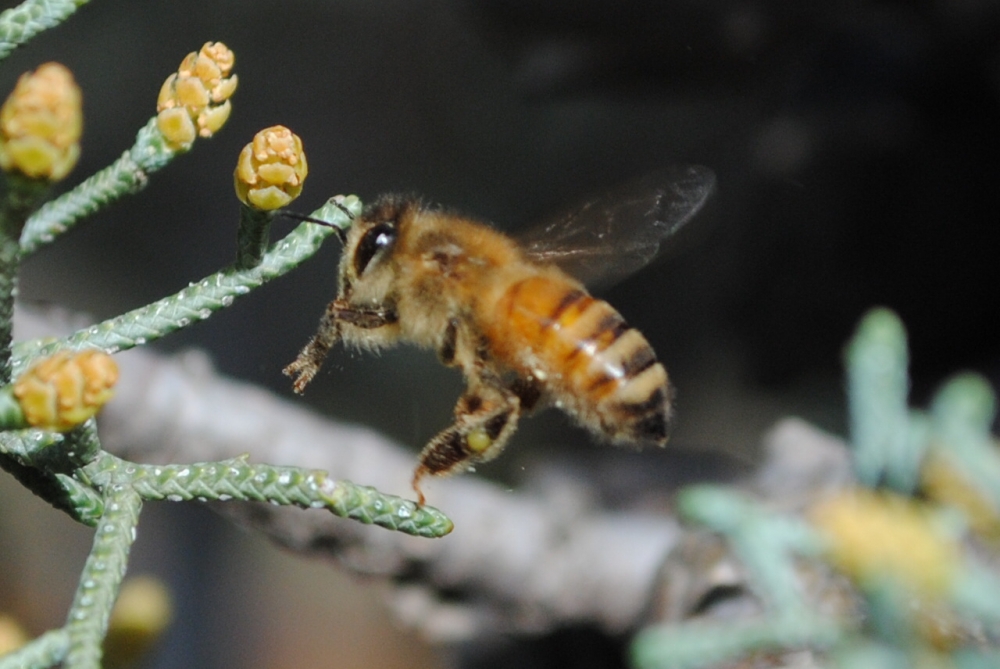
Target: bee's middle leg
{"points": [[485, 419]]}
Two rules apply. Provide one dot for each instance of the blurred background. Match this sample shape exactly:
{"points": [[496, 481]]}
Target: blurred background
{"points": [[857, 151]]}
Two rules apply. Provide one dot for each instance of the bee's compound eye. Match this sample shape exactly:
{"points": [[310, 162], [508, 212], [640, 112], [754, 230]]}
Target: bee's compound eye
{"points": [[376, 240]]}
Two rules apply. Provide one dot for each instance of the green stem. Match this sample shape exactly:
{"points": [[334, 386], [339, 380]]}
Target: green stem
{"points": [[767, 544], [198, 301], [86, 505], [47, 486], [102, 576], [129, 174], [57, 473], [11, 415], [46, 463], [19, 24], [46, 651], [962, 416], [877, 380], [237, 479], [685, 646], [9, 256], [27, 445], [253, 236], [20, 198]]}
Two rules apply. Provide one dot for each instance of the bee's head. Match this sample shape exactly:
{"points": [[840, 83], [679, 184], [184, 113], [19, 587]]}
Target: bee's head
{"points": [[366, 266]]}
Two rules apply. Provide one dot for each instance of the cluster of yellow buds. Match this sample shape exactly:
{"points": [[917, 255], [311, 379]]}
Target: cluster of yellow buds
{"points": [[271, 169], [65, 389], [40, 124], [875, 536], [194, 101]]}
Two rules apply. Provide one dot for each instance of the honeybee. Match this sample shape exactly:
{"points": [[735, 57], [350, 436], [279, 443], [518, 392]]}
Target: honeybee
{"points": [[513, 316]]}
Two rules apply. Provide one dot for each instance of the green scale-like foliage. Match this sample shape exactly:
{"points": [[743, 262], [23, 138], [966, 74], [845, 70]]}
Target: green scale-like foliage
{"points": [[71, 471], [890, 444]]}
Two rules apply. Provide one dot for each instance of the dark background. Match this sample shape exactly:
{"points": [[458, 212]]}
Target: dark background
{"points": [[856, 146]]}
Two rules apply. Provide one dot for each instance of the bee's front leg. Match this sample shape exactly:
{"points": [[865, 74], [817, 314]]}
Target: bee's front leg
{"points": [[311, 357], [485, 418]]}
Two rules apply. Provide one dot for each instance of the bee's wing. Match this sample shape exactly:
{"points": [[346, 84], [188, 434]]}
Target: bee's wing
{"points": [[612, 235]]}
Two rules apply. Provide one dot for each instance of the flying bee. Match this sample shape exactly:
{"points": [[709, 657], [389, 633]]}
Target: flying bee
{"points": [[513, 316]]}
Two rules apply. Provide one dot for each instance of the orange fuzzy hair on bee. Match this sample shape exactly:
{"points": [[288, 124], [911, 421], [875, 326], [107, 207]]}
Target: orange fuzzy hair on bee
{"points": [[524, 333]]}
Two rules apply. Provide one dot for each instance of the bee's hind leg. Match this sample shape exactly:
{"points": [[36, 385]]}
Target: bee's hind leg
{"points": [[485, 419]]}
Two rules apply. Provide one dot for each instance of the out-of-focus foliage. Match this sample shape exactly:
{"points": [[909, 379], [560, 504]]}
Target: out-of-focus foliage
{"points": [[915, 538]]}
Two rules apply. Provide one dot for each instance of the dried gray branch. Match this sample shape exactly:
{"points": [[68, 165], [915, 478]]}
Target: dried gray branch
{"points": [[517, 561], [521, 562]]}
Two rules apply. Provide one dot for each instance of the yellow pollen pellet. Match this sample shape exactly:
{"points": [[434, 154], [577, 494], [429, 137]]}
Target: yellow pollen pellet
{"points": [[478, 441]]}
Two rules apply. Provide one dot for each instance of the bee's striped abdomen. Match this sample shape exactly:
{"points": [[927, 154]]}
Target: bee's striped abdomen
{"points": [[599, 368]]}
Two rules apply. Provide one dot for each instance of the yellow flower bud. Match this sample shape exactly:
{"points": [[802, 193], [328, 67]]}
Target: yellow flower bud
{"points": [[200, 89], [271, 169], [190, 92], [40, 124], [65, 389], [213, 118], [140, 617], [12, 635], [176, 125], [875, 536]]}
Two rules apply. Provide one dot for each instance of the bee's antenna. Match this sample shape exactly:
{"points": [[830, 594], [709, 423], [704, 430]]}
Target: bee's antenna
{"points": [[341, 233]]}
